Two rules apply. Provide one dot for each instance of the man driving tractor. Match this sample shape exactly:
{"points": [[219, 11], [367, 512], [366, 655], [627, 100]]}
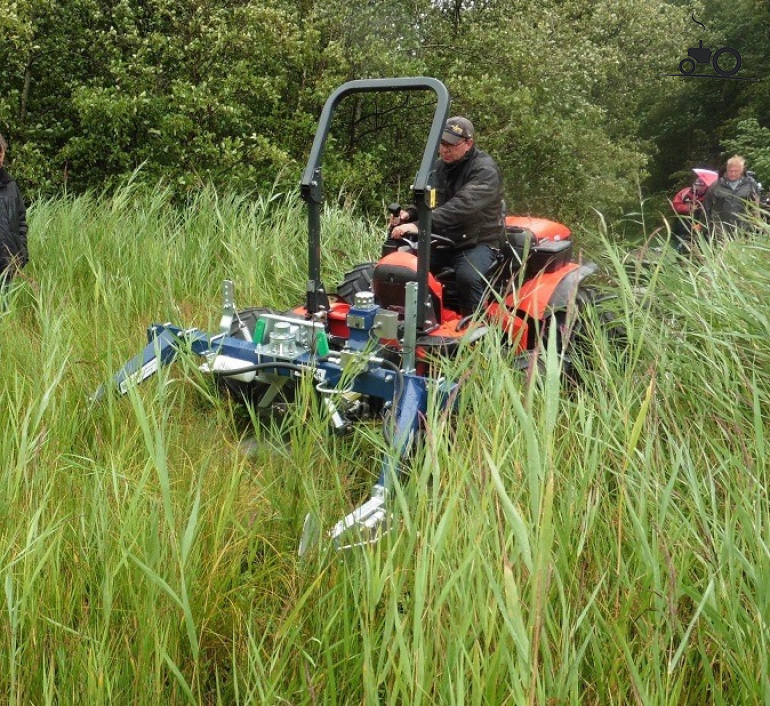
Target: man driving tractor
{"points": [[469, 212]]}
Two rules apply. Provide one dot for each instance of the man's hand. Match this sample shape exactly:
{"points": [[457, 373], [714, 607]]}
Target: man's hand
{"points": [[404, 229], [398, 218]]}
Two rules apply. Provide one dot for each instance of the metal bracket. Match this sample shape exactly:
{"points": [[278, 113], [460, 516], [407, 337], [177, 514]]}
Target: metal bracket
{"points": [[228, 306], [367, 524], [410, 328]]}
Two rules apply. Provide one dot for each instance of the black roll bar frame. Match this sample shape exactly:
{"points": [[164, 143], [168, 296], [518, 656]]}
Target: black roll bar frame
{"points": [[311, 187]]}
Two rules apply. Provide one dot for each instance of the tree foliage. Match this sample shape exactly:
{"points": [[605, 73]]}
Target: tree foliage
{"points": [[701, 123], [566, 94]]}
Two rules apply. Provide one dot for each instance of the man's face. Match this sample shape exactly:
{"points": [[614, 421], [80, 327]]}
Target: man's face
{"points": [[734, 172], [450, 153]]}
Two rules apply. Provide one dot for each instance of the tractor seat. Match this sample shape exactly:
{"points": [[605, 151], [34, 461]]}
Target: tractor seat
{"points": [[542, 255], [519, 242], [448, 274]]}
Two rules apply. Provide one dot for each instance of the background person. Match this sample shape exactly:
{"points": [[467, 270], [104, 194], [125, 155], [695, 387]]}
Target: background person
{"points": [[469, 212], [688, 205], [727, 199], [13, 224]]}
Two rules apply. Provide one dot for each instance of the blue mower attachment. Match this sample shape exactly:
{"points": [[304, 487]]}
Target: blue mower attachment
{"points": [[284, 347], [359, 354]]}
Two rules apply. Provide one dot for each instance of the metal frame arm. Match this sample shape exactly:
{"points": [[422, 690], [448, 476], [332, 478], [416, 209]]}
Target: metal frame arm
{"points": [[312, 182]]}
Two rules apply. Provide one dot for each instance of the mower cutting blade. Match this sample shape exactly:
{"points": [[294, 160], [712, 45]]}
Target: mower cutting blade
{"points": [[367, 524]]}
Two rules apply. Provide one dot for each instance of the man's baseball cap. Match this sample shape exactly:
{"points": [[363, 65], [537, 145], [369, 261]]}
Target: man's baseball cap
{"points": [[456, 130]]}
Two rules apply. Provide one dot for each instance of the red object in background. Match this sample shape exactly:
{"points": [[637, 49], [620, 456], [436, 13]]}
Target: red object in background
{"points": [[690, 196], [707, 176]]}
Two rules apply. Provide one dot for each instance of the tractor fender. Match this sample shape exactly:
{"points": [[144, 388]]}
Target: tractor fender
{"points": [[564, 293], [549, 291]]}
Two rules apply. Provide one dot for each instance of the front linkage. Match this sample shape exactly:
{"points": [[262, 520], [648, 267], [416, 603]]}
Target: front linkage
{"points": [[283, 347]]}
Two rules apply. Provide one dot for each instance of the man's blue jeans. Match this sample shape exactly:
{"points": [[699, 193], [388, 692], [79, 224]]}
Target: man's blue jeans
{"points": [[472, 267]]}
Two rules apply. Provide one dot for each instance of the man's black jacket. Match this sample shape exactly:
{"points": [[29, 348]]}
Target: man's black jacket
{"points": [[727, 206], [13, 225], [470, 200]]}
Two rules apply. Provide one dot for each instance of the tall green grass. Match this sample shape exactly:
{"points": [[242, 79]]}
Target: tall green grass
{"points": [[601, 543]]}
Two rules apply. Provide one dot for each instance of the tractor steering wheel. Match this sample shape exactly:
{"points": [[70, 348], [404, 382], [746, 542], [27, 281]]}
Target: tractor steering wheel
{"points": [[441, 242]]}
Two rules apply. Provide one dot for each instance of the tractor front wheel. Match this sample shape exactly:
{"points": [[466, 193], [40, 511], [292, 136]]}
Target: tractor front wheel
{"points": [[359, 279]]}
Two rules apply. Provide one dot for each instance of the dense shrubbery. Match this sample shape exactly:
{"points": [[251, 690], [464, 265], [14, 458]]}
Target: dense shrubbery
{"points": [[564, 94]]}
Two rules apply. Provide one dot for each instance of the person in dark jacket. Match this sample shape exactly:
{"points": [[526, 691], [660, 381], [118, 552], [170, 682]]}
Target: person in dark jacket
{"points": [[13, 224], [469, 212], [726, 201]]}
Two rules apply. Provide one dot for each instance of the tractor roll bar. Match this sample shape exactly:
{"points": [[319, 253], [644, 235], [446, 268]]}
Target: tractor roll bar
{"points": [[312, 185]]}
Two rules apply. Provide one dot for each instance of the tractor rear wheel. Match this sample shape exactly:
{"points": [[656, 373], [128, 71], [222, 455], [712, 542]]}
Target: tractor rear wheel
{"points": [[592, 315], [359, 279]]}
